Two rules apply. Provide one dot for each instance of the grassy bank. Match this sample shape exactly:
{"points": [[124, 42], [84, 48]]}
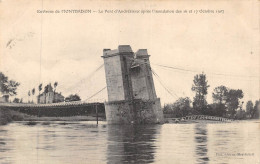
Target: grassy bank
{"points": [[7, 116]]}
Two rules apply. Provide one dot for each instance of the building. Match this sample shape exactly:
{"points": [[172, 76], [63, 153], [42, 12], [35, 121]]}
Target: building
{"points": [[4, 98], [50, 96], [131, 93]]}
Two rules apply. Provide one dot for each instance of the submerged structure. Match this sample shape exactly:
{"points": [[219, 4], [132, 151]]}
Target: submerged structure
{"points": [[131, 93]]}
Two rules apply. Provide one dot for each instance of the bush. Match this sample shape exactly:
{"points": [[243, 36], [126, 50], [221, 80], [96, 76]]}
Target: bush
{"points": [[179, 108], [7, 116]]}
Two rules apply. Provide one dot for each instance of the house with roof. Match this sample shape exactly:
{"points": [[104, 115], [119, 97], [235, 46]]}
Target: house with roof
{"points": [[49, 96]]}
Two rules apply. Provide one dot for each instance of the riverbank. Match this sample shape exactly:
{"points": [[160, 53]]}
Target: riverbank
{"points": [[7, 116]]}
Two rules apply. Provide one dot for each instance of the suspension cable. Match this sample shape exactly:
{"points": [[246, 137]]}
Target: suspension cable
{"points": [[168, 90], [87, 78], [95, 94], [212, 73]]}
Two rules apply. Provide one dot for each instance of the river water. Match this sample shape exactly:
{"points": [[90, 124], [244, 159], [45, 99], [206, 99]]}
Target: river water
{"points": [[85, 142]]}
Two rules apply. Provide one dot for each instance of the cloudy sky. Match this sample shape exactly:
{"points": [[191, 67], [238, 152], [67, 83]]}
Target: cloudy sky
{"points": [[42, 48]]}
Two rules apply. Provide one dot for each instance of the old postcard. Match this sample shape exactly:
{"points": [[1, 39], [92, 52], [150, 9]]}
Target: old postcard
{"points": [[167, 82]]}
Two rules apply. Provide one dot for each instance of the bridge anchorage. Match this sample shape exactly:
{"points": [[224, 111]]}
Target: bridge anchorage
{"points": [[131, 93]]}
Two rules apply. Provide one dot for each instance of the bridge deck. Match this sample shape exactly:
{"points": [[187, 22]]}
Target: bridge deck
{"points": [[203, 117], [61, 104], [64, 109]]}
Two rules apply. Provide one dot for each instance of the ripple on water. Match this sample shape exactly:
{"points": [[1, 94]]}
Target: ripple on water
{"points": [[65, 142]]}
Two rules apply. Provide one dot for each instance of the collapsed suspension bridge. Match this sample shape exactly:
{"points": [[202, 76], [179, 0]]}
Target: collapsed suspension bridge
{"points": [[167, 89], [131, 75]]}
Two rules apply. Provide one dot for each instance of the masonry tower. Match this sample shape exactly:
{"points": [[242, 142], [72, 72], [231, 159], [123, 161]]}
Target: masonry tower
{"points": [[130, 87]]}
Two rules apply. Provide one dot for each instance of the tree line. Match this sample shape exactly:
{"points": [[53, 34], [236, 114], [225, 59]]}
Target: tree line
{"points": [[31, 92], [9, 88], [226, 102], [49, 88]]}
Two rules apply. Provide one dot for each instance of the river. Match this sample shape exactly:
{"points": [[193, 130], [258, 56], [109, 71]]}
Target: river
{"points": [[85, 142]]}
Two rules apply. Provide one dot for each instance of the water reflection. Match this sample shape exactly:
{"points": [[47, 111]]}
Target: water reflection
{"points": [[85, 142], [201, 143], [133, 144], [2, 141]]}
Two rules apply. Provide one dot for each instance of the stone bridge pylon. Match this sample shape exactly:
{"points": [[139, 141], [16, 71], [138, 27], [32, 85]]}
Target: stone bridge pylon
{"points": [[131, 93]]}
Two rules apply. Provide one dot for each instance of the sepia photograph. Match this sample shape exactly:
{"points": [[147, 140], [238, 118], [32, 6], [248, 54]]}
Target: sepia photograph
{"points": [[121, 81]]}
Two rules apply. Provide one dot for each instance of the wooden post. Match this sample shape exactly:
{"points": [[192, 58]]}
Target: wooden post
{"points": [[97, 113]]}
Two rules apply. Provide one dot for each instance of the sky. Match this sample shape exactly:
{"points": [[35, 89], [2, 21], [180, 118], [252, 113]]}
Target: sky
{"points": [[42, 48]]}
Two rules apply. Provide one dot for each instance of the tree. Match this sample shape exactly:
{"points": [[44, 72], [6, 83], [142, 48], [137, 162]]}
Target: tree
{"points": [[219, 106], [256, 111], [12, 87], [250, 108], [8, 86], [228, 100], [40, 88], [233, 97], [29, 94], [179, 108], [72, 98], [183, 106], [16, 100], [216, 109], [200, 87], [48, 88], [33, 92], [240, 114], [55, 85], [3, 83], [219, 94]]}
